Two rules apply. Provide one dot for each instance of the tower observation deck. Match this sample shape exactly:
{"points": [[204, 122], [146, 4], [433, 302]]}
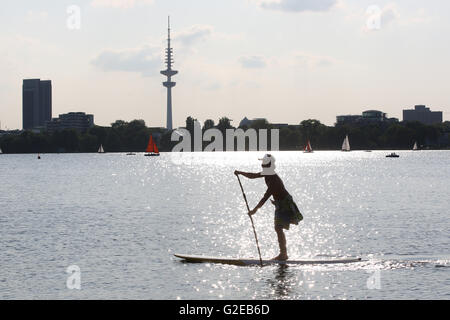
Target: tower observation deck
{"points": [[169, 84]]}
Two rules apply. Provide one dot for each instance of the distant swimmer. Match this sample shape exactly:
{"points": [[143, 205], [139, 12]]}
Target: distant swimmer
{"points": [[286, 211]]}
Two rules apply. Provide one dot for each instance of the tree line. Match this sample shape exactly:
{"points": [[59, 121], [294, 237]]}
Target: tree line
{"points": [[124, 136]]}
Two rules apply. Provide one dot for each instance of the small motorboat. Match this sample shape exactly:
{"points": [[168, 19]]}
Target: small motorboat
{"points": [[393, 155], [131, 154]]}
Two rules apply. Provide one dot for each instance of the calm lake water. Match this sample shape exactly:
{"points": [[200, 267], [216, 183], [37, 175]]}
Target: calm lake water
{"points": [[121, 218]]}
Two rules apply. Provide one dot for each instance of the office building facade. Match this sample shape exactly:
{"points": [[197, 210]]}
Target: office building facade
{"points": [[367, 117], [36, 103], [73, 120], [422, 114]]}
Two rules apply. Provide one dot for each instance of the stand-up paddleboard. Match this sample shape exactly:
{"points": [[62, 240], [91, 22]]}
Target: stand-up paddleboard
{"points": [[250, 262]]}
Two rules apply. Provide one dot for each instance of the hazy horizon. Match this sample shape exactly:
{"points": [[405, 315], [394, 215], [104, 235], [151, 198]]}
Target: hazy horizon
{"points": [[284, 60]]}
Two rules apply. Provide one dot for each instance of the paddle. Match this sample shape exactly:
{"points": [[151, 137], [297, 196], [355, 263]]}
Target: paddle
{"points": [[251, 219]]}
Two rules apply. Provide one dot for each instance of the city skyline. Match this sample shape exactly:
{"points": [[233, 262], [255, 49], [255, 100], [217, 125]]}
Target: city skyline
{"points": [[267, 63]]}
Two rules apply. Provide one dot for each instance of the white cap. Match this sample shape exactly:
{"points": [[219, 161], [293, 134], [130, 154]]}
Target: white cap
{"points": [[268, 158]]}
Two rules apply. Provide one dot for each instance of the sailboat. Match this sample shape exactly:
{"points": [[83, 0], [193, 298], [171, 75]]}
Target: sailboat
{"points": [[101, 150], [308, 148], [1, 152], [152, 149], [415, 148], [346, 144]]}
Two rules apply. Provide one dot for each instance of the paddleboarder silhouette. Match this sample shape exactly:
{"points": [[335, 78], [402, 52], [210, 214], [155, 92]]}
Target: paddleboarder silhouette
{"points": [[286, 211]]}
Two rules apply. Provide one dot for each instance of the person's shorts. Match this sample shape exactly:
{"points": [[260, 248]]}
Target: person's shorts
{"points": [[287, 213]]}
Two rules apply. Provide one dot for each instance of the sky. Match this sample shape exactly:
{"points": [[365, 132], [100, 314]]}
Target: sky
{"points": [[284, 60]]}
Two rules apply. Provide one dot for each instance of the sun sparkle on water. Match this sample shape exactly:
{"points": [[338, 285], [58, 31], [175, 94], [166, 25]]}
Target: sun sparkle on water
{"points": [[121, 218]]}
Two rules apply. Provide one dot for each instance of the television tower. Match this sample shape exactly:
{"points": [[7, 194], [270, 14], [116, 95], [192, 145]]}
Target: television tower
{"points": [[169, 84]]}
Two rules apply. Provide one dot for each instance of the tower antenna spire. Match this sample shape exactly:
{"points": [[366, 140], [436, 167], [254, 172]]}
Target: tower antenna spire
{"points": [[168, 29], [169, 73]]}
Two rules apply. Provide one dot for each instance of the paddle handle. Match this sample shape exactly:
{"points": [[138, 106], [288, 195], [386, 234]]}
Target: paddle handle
{"points": [[251, 219]]}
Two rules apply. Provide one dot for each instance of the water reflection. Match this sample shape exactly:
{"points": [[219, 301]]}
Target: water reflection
{"points": [[282, 282]]}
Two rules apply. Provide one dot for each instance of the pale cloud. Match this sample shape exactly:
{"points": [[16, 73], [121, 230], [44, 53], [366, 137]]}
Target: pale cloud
{"points": [[419, 17], [253, 62], [193, 34], [312, 61], [298, 5], [145, 59], [122, 4], [289, 60], [389, 14], [33, 16]]}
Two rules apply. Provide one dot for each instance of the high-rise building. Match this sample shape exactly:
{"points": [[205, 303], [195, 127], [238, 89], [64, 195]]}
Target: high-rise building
{"points": [[169, 84], [422, 114], [36, 103]]}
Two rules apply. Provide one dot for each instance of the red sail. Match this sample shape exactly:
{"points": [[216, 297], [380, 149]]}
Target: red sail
{"points": [[308, 147], [155, 148], [151, 144]]}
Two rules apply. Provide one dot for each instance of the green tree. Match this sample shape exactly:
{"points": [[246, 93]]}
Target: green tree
{"points": [[190, 124], [209, 124], [118, 124], [71, 140], [113, 142], [293, 140], [100, 132], [260, 124], [89, 143], [224, 123]]}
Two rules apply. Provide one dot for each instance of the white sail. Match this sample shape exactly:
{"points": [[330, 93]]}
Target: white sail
{"points": [[100, 150], [346, 144], [1, 151], [415, 148]]}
